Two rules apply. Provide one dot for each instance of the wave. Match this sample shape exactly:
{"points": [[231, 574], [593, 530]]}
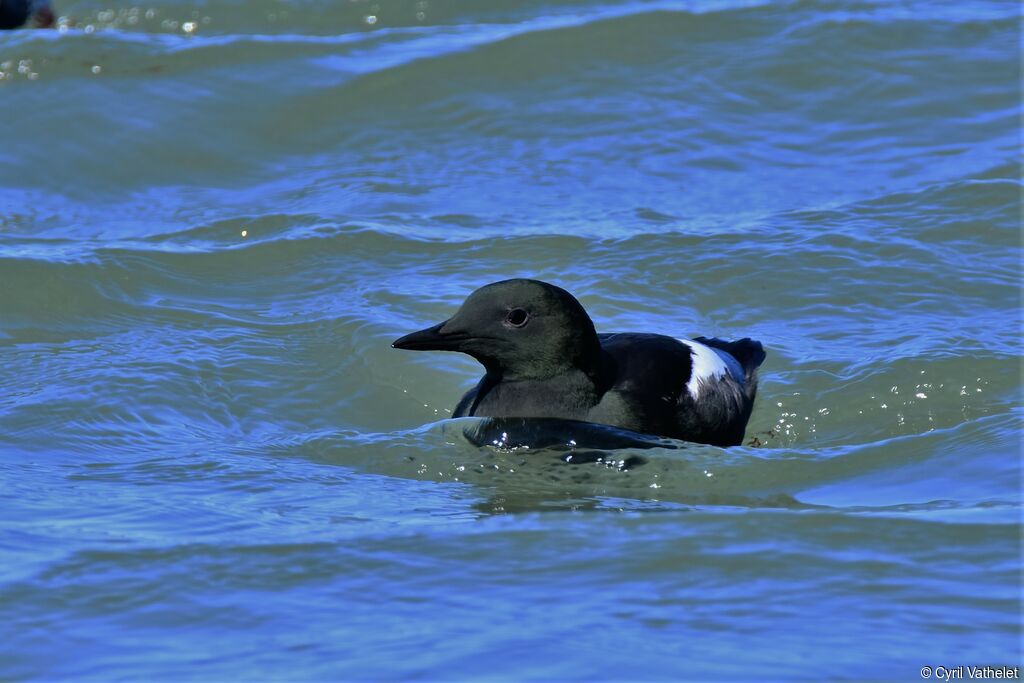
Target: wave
{"points": [[944, 472]]}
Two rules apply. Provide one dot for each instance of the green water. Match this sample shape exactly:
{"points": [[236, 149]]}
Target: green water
{"points": [[215, 218]]}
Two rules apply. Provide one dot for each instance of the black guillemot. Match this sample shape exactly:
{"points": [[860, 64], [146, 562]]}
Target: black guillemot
{"points": [[543, 358]]}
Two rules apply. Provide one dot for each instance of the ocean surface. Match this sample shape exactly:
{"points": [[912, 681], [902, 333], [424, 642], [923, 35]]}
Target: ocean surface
{"points": [[215, 217]]}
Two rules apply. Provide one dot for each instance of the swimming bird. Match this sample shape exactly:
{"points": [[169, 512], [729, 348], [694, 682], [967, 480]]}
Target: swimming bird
{"points": [[14, 13], [543, 358]]}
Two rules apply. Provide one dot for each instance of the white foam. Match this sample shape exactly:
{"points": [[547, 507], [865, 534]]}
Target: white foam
{"points": [[710, 363]]}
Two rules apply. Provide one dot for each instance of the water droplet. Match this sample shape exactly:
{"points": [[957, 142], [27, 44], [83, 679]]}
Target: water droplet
{"points": [[371, 20]]}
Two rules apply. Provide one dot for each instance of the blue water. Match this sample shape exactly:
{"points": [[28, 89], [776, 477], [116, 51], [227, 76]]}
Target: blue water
{"points": [[215, 218]]}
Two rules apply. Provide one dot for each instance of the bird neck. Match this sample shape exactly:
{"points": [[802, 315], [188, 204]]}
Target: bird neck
{"points": [[568, 396], [580, 355], [587, 355]]}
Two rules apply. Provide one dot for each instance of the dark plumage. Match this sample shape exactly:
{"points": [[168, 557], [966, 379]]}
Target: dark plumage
{"points": [[15, 13], [543, 358]]}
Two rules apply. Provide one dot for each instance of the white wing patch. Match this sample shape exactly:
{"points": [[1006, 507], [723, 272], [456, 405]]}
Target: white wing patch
{"points": [[710, 363]]}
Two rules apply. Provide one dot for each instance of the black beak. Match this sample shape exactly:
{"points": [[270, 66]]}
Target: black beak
{"points": [[434, 338]]}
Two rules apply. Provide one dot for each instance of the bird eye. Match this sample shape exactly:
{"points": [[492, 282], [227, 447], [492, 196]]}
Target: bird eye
{"points": [[517, 317]]}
